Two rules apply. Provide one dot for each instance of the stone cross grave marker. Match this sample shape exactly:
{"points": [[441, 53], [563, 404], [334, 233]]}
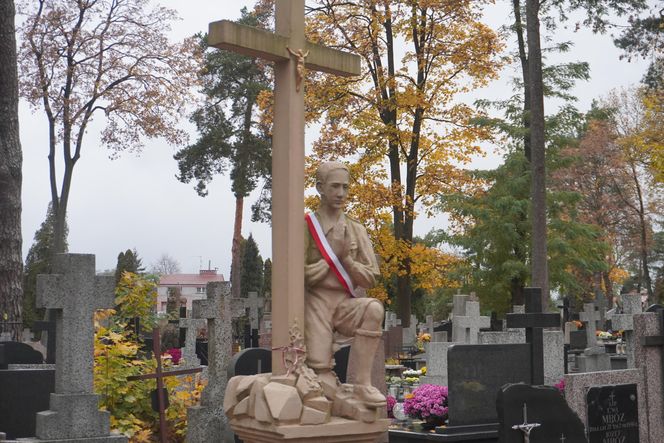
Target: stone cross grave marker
{"points": [[600, 302], [291, 53], [631, 304], [466, 327], [459, 304], [74, 293], [534, 321], [191, 325], [207, 421], [254, 304], [590, 316]]}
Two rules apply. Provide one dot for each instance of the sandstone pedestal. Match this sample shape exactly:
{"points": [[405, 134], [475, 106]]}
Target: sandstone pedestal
{"points": [[337, 430]]}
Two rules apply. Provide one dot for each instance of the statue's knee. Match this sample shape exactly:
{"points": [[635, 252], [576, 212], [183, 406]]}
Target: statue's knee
{"points": [[375, 312]]}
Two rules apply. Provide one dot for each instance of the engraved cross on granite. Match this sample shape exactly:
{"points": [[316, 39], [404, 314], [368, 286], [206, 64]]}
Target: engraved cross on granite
{"points": [[291, 53], [534, 321]]}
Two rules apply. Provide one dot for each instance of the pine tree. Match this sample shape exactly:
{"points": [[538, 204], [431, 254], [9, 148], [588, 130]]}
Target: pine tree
{"points": [[252, 268], [128, 261]]}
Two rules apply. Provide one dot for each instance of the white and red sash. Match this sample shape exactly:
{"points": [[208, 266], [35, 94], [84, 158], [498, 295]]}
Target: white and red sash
{"points": [[328, 254]]}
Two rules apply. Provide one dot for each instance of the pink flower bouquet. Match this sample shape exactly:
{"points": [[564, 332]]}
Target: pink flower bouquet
{"points": [[427, 401]]}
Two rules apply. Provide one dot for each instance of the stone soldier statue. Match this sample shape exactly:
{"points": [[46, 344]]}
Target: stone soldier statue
{"points": [[339, 260]]}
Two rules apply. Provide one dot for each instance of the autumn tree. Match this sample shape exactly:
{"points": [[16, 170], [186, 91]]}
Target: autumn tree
{"points": [[641, 193], [530, 56], [230, 135], [101, 59], [400, 124], [165, 265], [11, 159]]}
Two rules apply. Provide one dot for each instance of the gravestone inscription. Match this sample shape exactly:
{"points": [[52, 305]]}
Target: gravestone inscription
{"points": [[613, 414]]}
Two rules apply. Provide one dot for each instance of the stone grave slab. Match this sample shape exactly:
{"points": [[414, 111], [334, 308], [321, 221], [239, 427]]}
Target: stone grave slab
{"points": [[250, 361], [613, 414], [475, 375], [24, 393], [18, 353], [437, 363], [544, 406], [577, 387]]}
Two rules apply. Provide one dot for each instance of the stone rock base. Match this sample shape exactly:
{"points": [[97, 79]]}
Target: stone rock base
{"points": [[337, 430]]}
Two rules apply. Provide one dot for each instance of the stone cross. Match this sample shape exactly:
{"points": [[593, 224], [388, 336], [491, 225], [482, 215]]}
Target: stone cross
{"points": [[631, 304], [74, 293], [254, 303], [534, 321], [191, 325], [590, 316], [288, 146], [466, 327], [207, 421], [459, 304]]}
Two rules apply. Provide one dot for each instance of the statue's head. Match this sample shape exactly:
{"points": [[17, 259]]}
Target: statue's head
{"points": [[332, 180]]}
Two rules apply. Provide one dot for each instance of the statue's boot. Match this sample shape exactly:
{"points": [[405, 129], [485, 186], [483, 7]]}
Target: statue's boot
{"points": [[363, 351]]}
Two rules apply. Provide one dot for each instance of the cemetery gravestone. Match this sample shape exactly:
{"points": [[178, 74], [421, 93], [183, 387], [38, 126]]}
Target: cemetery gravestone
{"points": [[250, 361], [437, 363], [207, 421], [545, 406], [533, 321], [594, 357], [191, 326], [476, 373], [631, 304], [18, 353], [613, 414], [648, 355], [466, 327], [74, 292]]}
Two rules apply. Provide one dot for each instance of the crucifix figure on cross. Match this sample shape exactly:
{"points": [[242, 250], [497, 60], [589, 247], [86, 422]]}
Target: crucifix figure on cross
{"points": [[292, 382]]}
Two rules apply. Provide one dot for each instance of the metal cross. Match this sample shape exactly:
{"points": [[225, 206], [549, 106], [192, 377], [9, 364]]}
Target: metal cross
{"points": [[526, 427]]}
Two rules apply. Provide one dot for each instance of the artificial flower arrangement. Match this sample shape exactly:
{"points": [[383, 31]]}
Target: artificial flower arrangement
{"points": [[391, 401], [427, 402], [560, 386], [175, 354], [423, 338], [604, 335], [411, 373]]}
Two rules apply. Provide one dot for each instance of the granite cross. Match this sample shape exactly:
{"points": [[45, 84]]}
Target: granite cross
{"points": [[631, 304], [287, 144], [191, 326], [254, 304], [534, 321], [159, 375], [590, 316], [466, 327], [74, 292]]}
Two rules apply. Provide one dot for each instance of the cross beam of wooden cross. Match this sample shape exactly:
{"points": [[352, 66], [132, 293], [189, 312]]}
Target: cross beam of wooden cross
{"points": [[534, 321], [159, 375], [287, 146]]}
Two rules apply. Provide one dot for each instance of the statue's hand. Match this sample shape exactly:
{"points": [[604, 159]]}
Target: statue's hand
{"points": [[339, 240]]}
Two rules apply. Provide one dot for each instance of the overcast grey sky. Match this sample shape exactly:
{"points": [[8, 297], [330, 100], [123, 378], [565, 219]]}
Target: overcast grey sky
{"points": [[136, 201]]}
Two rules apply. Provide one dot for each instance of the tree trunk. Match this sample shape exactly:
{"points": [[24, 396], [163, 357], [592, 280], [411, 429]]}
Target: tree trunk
{"points": [[236, 272], [11, 261], [523, 58], [539, 264]]}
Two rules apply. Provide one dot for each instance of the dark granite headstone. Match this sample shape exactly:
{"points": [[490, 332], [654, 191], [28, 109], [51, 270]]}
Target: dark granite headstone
{"points": [[475, 375], [341, 362], [19, 353], [613, 414], [578, 339], [23, 393], [250, 362], [545, 406]]}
